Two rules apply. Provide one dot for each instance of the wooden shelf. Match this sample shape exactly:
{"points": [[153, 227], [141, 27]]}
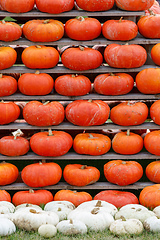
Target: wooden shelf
{"points": [[70, 126], [61, 69], [63, 185], [75, 156], [67, 41], [74, 13]]}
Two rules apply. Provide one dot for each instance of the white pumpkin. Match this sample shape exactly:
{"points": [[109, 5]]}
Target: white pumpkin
{"points": [[28, 206], [152, 224], [95, 220], [50, 205], [47, 230], [32, 220], [61, 210], [71, 227], [98, 203], [129, 226], [7, 227], [156, 210], [133, 206], [8, 205], [139, 214]]}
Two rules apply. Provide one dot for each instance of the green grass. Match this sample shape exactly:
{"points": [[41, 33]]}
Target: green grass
{"points": [[105, 235]]}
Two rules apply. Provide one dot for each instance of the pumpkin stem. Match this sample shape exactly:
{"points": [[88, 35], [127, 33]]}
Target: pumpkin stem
{"points": [[74, 75], [120, 20], [17, 133], [50, 132], [123, 162], [46, 103], [128, 132], [84, 167], [37, 72], [33, 211], [98, 204], [59, 209], [151, 12], [81, 18], [111, 74], [89, 100], [123, 218], [46, 21], [81, 48], [37, 46], [95, 210], [71, 221], [31, 191]]}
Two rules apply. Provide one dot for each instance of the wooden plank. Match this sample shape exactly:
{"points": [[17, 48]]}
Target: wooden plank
{"points": [[73, 13], [75, 156], [67, 41], [66, 125], [63, 70], [93, 96], [63, 185]]}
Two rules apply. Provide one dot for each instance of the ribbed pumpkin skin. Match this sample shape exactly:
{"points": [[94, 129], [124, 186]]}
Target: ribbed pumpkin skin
{"points": [[153, 171], [14, 147], [53, 145], [41, 174], [17, 6], [155, 112], [113, 84], [81, 58], [128, 114], [125, 56], [9, 31], [37, 197], [151, 142], [43, 30], [54, 7], [150, 196], [117, 198], [38, 114], [40, 57], [134, 5], [80, 175], [148, 26], [122, 172], [8, 85], [5, 196], [91, 144], [83, 28], [123, 143], [8, 172], [94, 5], [35, 83], [86, 113], [72, 85], [8, 57], [72, 196], [148, 81], [120, 30], [155, 53], [9, 112]]}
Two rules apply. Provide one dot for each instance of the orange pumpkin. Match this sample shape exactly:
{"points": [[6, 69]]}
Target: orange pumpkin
{"points": [[148, 81], [17, 6], [134, 5], [48, 30], [155, 53], [127, 143], [122, 172], [155, 112], [9, 31], [8, 57], [8, 172], [40, 57], [80, 175], [91, 144], [5, 196], [151, 142], [72, 196], [8, 85], [150, 196], [153, 171], [128, 114], [9, 112]]}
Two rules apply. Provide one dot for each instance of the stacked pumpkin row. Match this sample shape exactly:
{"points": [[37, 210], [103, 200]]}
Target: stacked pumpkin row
{"points": [[81, 29], [109, 84], [59, 6]]}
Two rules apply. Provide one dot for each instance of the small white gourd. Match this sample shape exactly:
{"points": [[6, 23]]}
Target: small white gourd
{"points": [[71, 227], [31, 220], [7, 227], [152, 224], [156, 210], [96, 220], [28, 206], [134, 213], [128, 226], [49, 206], [8, 205], [47, 230], [133, 206]]}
